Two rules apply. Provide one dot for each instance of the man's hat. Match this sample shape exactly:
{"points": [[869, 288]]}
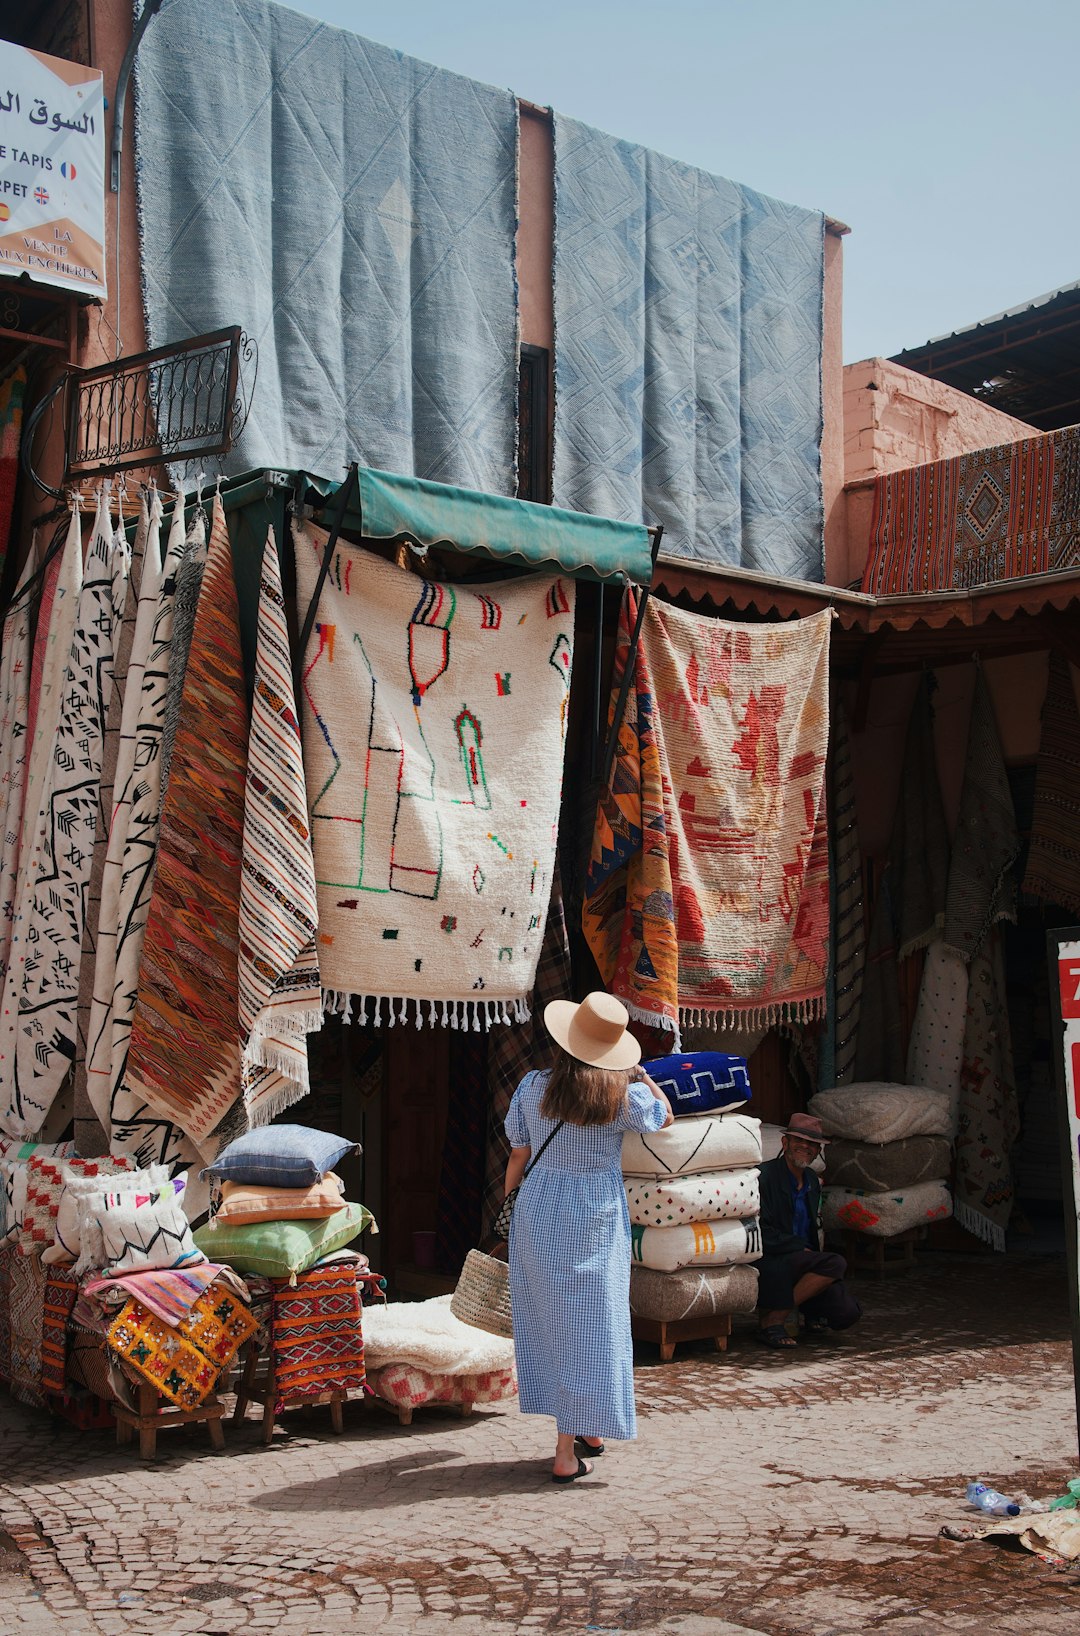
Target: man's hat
{"points": [[806, 1127]]}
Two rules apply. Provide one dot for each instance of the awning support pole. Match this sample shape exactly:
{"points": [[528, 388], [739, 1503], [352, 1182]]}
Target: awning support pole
{"points": [[628, 672]]}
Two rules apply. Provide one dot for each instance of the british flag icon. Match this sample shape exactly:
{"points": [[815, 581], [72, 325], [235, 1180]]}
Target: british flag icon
{"points": [[41, 195]]}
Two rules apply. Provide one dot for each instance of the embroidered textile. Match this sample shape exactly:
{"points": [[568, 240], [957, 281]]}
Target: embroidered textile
{"points": [[846, 910], [14, 704], [59, 865], [280, 1001], [688, 315], [52, 650], [185, 1361], [706, 1195], [1053, 862], [406, 235], [184, 1056], [135, 1127], [982, 889], [882, 1215], [708, 891], [61, 1288], [698, 1244], [988, 1115], [316, 1333], [434, 724], [994, 514]]}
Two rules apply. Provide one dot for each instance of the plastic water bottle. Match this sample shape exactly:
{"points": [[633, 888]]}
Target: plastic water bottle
{"points": [[989, 1500]]}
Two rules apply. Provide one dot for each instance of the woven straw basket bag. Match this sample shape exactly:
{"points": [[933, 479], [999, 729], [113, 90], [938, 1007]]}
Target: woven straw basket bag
{"points": [[482, 1296]]}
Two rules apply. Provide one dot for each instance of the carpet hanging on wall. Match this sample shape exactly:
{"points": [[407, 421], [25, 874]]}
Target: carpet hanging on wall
{"points": [[434, 724], [184, 1055], [708, 887], [1053, 862]]}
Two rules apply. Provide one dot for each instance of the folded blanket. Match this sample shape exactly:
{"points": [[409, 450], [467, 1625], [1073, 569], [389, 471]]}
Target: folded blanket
{"points": [[701, 1081], [426, 1334], [884, 1214], [714, 1142], [876, 1111], [700, 1244], [709, 1195], [882, 1167], [668, 1296]]}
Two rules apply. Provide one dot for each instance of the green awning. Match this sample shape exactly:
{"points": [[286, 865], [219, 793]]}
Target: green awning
{"points": [[438, 514]]}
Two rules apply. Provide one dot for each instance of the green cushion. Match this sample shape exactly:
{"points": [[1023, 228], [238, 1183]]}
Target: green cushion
{"points": [[279, 1249]]}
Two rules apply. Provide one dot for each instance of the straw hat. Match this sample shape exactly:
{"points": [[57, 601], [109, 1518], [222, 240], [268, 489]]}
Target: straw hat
{"points": [[806, 1128], [594, 1031]]}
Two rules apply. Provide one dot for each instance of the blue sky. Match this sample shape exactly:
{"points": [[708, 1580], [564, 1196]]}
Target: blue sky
{"points": [[944, 134]]}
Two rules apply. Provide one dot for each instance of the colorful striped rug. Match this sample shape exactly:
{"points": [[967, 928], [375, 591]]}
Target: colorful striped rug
{"points": [[280, 997], [184, 1055], [316, 1333]]}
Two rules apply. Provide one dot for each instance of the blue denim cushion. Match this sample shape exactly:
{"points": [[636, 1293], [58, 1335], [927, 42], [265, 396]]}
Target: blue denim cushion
{"points": [[701, 1081], [280, 1156]]}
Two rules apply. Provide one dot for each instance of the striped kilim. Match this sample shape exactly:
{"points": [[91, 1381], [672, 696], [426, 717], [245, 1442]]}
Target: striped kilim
{"points": [[184, 1056], [707, 894], [61, 1288], [27, 1304], [280, 997], [145, 572], [52, 651], [990, 515], [58, 868], [849, 926], [184, 1361], [316, 1333], [1053, 863]]}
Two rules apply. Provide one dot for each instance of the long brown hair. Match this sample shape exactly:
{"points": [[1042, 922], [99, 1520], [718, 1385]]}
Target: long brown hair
{"points": [[583, 1095]]}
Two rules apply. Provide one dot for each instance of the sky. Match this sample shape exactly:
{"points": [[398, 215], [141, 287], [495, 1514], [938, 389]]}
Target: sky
{"points": [[944, 133]]}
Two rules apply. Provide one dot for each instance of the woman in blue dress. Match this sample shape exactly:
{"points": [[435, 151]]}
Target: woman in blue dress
{"points": [[570, 1230]]}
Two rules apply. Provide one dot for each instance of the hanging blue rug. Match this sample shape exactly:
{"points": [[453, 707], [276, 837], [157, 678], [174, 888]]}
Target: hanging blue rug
{"points": [[354, 210], [688, 317]]}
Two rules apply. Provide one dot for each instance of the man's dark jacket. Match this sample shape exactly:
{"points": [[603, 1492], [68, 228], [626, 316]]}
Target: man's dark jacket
{"points": [[778, 1208]]}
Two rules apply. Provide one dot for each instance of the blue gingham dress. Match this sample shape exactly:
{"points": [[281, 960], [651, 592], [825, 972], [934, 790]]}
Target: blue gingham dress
{"points": [[570, 1267]]}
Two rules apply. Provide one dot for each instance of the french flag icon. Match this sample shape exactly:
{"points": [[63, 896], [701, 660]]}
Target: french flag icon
{"points": [[67, 170]]}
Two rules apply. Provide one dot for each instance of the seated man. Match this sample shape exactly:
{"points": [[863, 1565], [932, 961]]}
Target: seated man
{"points": [[794, 1270]]}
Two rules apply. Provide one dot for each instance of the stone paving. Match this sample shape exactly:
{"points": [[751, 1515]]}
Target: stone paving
{"points": [[795, 1494]]}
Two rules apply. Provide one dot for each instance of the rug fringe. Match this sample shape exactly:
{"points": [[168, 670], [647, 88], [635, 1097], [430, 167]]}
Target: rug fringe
{"points": [[387, 1010], [975, 1222], [285, 1024], [753, 1017]]}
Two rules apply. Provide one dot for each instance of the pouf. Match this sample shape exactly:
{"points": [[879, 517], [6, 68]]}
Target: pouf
{"points": [[710, 1195], [876, 1111], [668, 1297], [405, 1388], [427, 1335], [869, 1167], [701, 1081], [702, 1244], [719, 1141], [883, 1215]]}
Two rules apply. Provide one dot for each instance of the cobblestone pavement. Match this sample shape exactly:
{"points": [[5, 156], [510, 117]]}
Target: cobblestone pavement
{"points": [[796, 1494]]}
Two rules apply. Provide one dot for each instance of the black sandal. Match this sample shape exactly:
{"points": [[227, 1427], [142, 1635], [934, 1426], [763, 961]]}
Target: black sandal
{"points": [[776, 1336], [590, 1448], [572, 1476]]}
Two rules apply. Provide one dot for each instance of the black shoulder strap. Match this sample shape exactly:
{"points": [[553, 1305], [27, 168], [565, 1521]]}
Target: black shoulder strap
{"points": [[543, 1145]]}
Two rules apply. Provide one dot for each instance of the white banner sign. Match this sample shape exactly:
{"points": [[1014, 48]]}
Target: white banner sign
{"points": [[52, 170]]}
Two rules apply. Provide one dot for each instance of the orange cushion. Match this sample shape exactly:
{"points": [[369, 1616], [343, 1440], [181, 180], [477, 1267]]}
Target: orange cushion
{"points": [[248, 1201]]}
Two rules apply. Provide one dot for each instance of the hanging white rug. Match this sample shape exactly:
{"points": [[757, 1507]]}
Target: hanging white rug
{"points": [[434, 718]]}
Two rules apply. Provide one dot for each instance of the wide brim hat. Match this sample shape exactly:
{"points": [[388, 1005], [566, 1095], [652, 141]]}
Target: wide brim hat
{"points": [[594, 1031], [806, 1128]]}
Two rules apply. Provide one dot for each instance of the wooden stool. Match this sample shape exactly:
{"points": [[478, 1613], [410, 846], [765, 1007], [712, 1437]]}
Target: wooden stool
{"points": [[667, 1333], [155, 1411], [260, 1386], [865, 1252]]}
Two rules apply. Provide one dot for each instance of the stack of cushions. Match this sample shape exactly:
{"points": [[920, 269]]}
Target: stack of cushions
{"points": [[889, 1158], [418, 1352], [282, 1208], [693, 1193]]}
